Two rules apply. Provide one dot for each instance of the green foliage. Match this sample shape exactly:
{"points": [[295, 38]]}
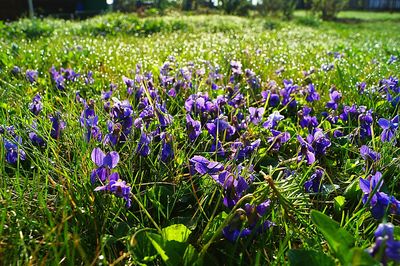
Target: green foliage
{"points": [[274, 7], [298, 257], [340, 241], [328, 9]]}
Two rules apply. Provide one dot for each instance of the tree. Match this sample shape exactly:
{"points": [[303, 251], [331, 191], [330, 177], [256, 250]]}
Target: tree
{"points": [[328, 9]]}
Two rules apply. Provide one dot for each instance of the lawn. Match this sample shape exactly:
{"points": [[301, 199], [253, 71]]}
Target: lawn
{"points": [[197, 140]]}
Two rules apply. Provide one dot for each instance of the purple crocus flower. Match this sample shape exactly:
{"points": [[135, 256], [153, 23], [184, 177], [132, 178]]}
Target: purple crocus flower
{"points": [[31, 75], [385, 248], [104, 162], [369, 154], [13, 151], [193, 127], [272, 120], [314, 183], [36, 105], [312, 94], [57, 125], [256, 114], [389, 128], [203, 166]]}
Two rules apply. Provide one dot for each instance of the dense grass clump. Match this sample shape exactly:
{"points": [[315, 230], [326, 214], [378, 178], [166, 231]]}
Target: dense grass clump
{"points": [[199, 139]]}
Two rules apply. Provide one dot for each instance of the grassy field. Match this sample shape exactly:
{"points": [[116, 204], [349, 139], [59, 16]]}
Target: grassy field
{"points": [[193, 83]]}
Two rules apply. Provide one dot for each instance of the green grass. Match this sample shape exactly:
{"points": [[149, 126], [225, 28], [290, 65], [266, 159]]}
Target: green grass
{"points": [[49, 213]]}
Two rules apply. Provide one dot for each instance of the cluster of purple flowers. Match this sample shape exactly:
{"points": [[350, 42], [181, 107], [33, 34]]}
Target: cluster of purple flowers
{"points": [[234, 186], [111, 182], [379, 201], [314, 146], [385, 248], [59, 77]]}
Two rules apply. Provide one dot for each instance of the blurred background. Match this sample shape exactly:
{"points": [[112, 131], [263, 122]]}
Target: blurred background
{"points": [[78, 9]]}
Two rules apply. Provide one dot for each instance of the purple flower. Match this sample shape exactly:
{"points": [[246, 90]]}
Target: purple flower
{"points": [[32, 75], [193, 128], [13, 152], [306, 120], [143, 147], [335, 97], [272, 120], [16, 70], [89, 78], [167, 151], [379, 201], [287, 91], [57, 125], [369, 154], [273, 98], [314, 183], [247, 221], [104, 162], [203, 166], [220, 128], [256, 114], [36, 105], [216, 146], [306, 151], [35, 139], [244, 150], [313, 95], [327, 67], [277, 139], [118, 188], [385, 248], [319, 141], [392, 59], [236, 67], [389, 128]]}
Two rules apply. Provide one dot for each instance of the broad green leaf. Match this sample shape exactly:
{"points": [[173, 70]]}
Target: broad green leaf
{"points": [[339, 202], [156, 241], [177, 232], [358, 257], [190, 255], [339, 240], [301, 257]]}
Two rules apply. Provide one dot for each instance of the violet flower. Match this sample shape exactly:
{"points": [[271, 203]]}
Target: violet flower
{"points": [[31, 75], [272, 120], [314, 183], [36, 105], [193, 127], [118, 187], [13, 151], [312, 94], [385, 248], [256, 114], [57, 125], [203, 166], [335, 97], [369, 154], [104, 162], [277, 139], [389, 128]]}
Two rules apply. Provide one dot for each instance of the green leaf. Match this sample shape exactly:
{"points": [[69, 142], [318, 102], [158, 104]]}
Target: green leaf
{"points": [[358, 257], [177, 232], [190, 256], [300, 257], [339, 240], [156, 241], [339, 202]]}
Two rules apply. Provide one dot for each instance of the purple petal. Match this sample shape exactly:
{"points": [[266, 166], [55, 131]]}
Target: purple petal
{"points": [[98, 156]]}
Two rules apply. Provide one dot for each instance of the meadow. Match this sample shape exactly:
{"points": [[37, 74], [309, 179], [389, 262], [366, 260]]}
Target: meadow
{"points": [[194, 140]]}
